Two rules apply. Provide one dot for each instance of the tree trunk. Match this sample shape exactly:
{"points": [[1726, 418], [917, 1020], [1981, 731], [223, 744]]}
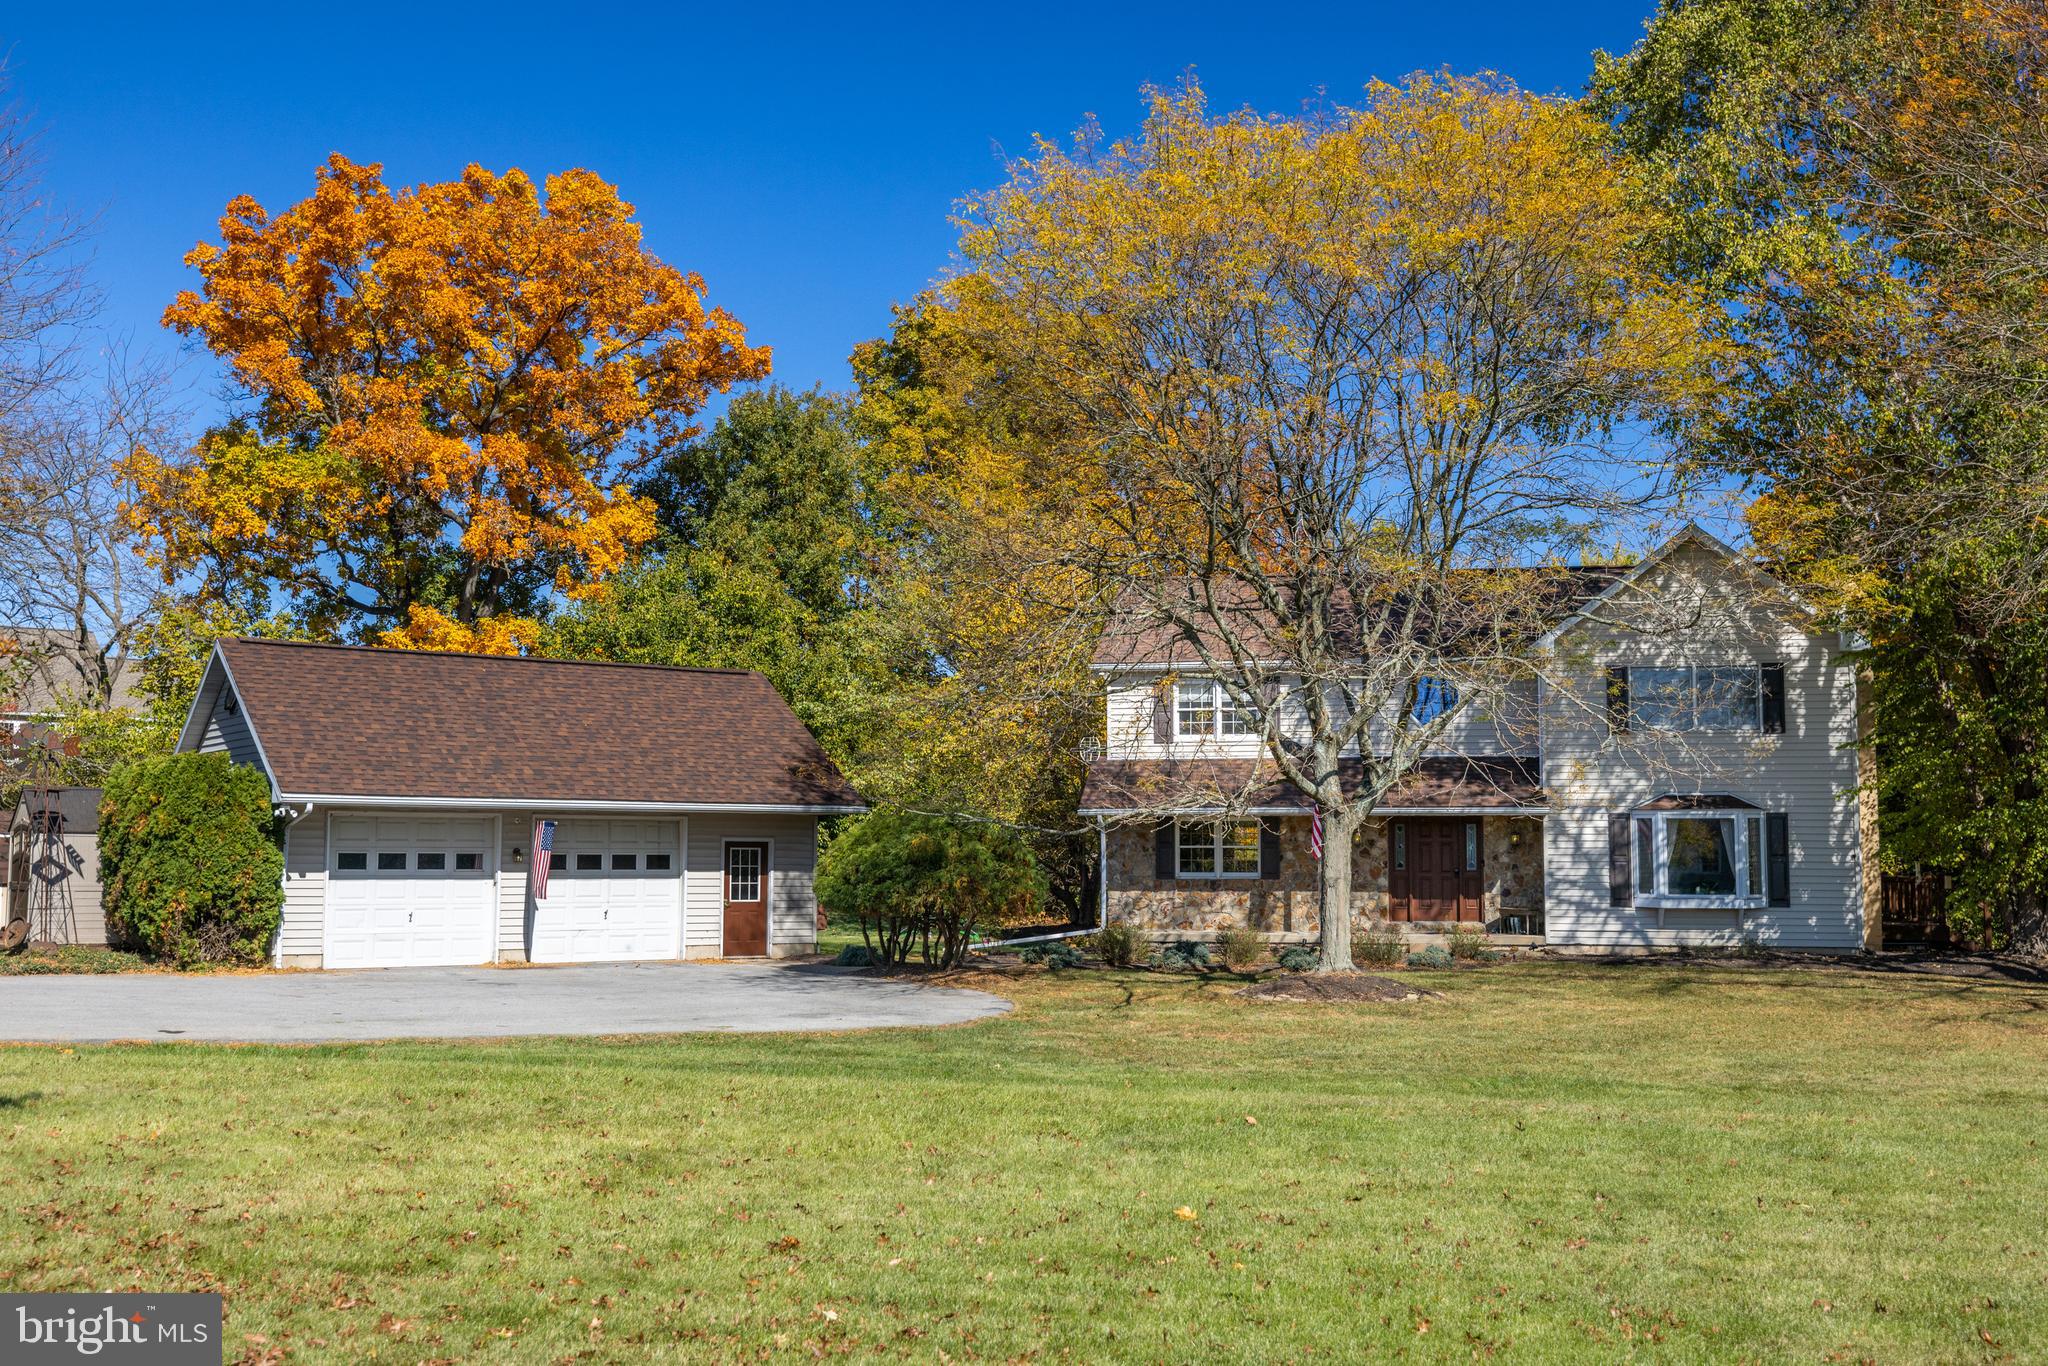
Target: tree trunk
{"points": [[1333, 888]]}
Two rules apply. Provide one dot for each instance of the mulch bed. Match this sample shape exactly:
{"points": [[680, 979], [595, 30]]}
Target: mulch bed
{"points": [[1336, 988]]}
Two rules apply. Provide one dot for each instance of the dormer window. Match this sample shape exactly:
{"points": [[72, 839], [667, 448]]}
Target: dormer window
{"points": [[1202, 710]]}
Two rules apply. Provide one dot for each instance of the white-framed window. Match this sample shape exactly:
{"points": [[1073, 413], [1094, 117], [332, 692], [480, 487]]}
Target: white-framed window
{"points": [[1696, 697], [1202, 710], [1708, 859], [1220, 849]]}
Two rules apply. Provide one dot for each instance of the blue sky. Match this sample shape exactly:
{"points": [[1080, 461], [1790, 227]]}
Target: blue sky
{"points": [[802, 160]]}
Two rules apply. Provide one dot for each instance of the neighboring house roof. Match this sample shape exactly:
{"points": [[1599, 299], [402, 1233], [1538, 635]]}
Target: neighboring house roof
{"points": [[77, 807], [1139, 639], [353, 721], [1115, 786], [41, 668]]}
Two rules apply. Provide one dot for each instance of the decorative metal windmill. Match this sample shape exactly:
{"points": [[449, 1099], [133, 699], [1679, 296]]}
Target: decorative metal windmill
{"points": [[39, 908]]}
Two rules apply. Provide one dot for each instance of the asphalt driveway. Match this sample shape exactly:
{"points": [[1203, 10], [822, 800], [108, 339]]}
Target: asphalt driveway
{"points": [[468, 1003]]}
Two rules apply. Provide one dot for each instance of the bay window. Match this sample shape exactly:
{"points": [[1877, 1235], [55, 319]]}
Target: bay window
{"points": [[1709, 859]]}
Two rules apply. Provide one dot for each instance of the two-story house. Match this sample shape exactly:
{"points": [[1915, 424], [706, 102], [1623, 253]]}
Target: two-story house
{"points": [[1681, 770]]}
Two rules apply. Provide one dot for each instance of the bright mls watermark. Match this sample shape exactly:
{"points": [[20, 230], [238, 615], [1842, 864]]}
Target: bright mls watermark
{"points": [[164, 1330]]}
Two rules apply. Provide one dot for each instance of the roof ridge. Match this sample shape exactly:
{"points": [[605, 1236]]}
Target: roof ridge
{"points": [[505, 659]]}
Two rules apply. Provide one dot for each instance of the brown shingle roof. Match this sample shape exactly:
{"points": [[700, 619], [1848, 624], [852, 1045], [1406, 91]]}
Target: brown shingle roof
{"points": [[345, 720], [1138, 638], [1490, 782]]}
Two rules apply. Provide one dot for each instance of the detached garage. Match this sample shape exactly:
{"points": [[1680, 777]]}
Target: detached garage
{"points": [[673, 812]]}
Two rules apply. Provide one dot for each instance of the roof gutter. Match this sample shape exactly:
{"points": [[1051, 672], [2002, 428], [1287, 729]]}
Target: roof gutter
{"points": [[557, 804], [1112, 812]]}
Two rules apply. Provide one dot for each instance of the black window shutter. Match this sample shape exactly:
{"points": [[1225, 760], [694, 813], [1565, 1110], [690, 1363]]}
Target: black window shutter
{"points": [[1166, 865], [1617, 698], [1162, 716], [1269, 849], [1620, 876], [1778, 857], [1774, 699]]}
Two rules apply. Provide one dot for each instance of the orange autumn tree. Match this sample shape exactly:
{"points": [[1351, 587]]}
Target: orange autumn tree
{"points": [[449, 391]]}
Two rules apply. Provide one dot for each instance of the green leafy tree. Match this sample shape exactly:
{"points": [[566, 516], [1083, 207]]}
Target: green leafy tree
{"points": [[1860, 181], [759, 566], [928, 884], [191, 859]]}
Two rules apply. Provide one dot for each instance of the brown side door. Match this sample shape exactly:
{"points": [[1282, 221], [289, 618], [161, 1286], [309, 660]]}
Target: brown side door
{"points": [[746, 900], [1434, 868]]}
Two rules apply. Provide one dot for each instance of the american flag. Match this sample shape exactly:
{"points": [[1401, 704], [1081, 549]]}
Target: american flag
{"points": [[1315, 832], [543, 849]]}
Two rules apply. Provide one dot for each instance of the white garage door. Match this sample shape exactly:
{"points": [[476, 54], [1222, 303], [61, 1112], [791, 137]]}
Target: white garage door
{"points": [[406, 891], [614, 893]]}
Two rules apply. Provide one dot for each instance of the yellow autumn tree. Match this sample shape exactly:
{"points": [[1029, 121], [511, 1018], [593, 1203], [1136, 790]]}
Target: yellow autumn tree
{"points": [[450, 389], [1326, 403]]}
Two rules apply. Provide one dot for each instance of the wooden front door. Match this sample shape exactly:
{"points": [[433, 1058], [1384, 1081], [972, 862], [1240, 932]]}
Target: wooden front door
{"points": [[1433, 868], [746, 900]]}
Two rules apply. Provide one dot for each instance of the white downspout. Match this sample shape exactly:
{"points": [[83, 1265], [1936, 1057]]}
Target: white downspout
{"points": [[284, 885], [1102, 872]]}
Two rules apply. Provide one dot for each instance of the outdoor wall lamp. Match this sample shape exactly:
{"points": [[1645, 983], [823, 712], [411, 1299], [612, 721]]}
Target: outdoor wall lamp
{"points": [[518, 854]]}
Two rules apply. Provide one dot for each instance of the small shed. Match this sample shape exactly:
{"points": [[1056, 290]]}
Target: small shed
{"points": [[53, 865]]}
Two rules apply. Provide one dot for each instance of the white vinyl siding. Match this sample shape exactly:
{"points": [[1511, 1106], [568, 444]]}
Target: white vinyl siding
{"points": [[1509, 728], [1806, 773], [792, 897], [228, 733], [305, 890]]}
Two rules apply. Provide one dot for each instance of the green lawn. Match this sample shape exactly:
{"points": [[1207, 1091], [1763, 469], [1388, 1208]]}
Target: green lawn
{"points": [[1556, 1161]]}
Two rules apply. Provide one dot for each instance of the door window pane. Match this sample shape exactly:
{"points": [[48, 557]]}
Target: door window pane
{"points": [[657, 863], [625, 863], [743, 873], [352, 861], [557, 862], [432, 863], [589, 863], [1241, 847], [1702, 859], [1471, 846], [389, 861], [468, 863]]}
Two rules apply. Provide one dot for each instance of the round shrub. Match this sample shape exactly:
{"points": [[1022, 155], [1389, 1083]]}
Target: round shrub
{"points": [[1240, 948], [1299, 958], [1435, 956], [855, 956], [1184, 955], [1117, 945], [928, 885], [191, 859]]}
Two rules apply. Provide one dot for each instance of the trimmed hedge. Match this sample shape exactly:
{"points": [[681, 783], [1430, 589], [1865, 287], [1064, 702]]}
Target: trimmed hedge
{"points": [[191, 859]]}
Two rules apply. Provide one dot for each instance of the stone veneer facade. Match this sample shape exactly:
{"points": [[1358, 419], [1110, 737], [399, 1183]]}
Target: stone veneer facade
{"points": [[1287, 904]]}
